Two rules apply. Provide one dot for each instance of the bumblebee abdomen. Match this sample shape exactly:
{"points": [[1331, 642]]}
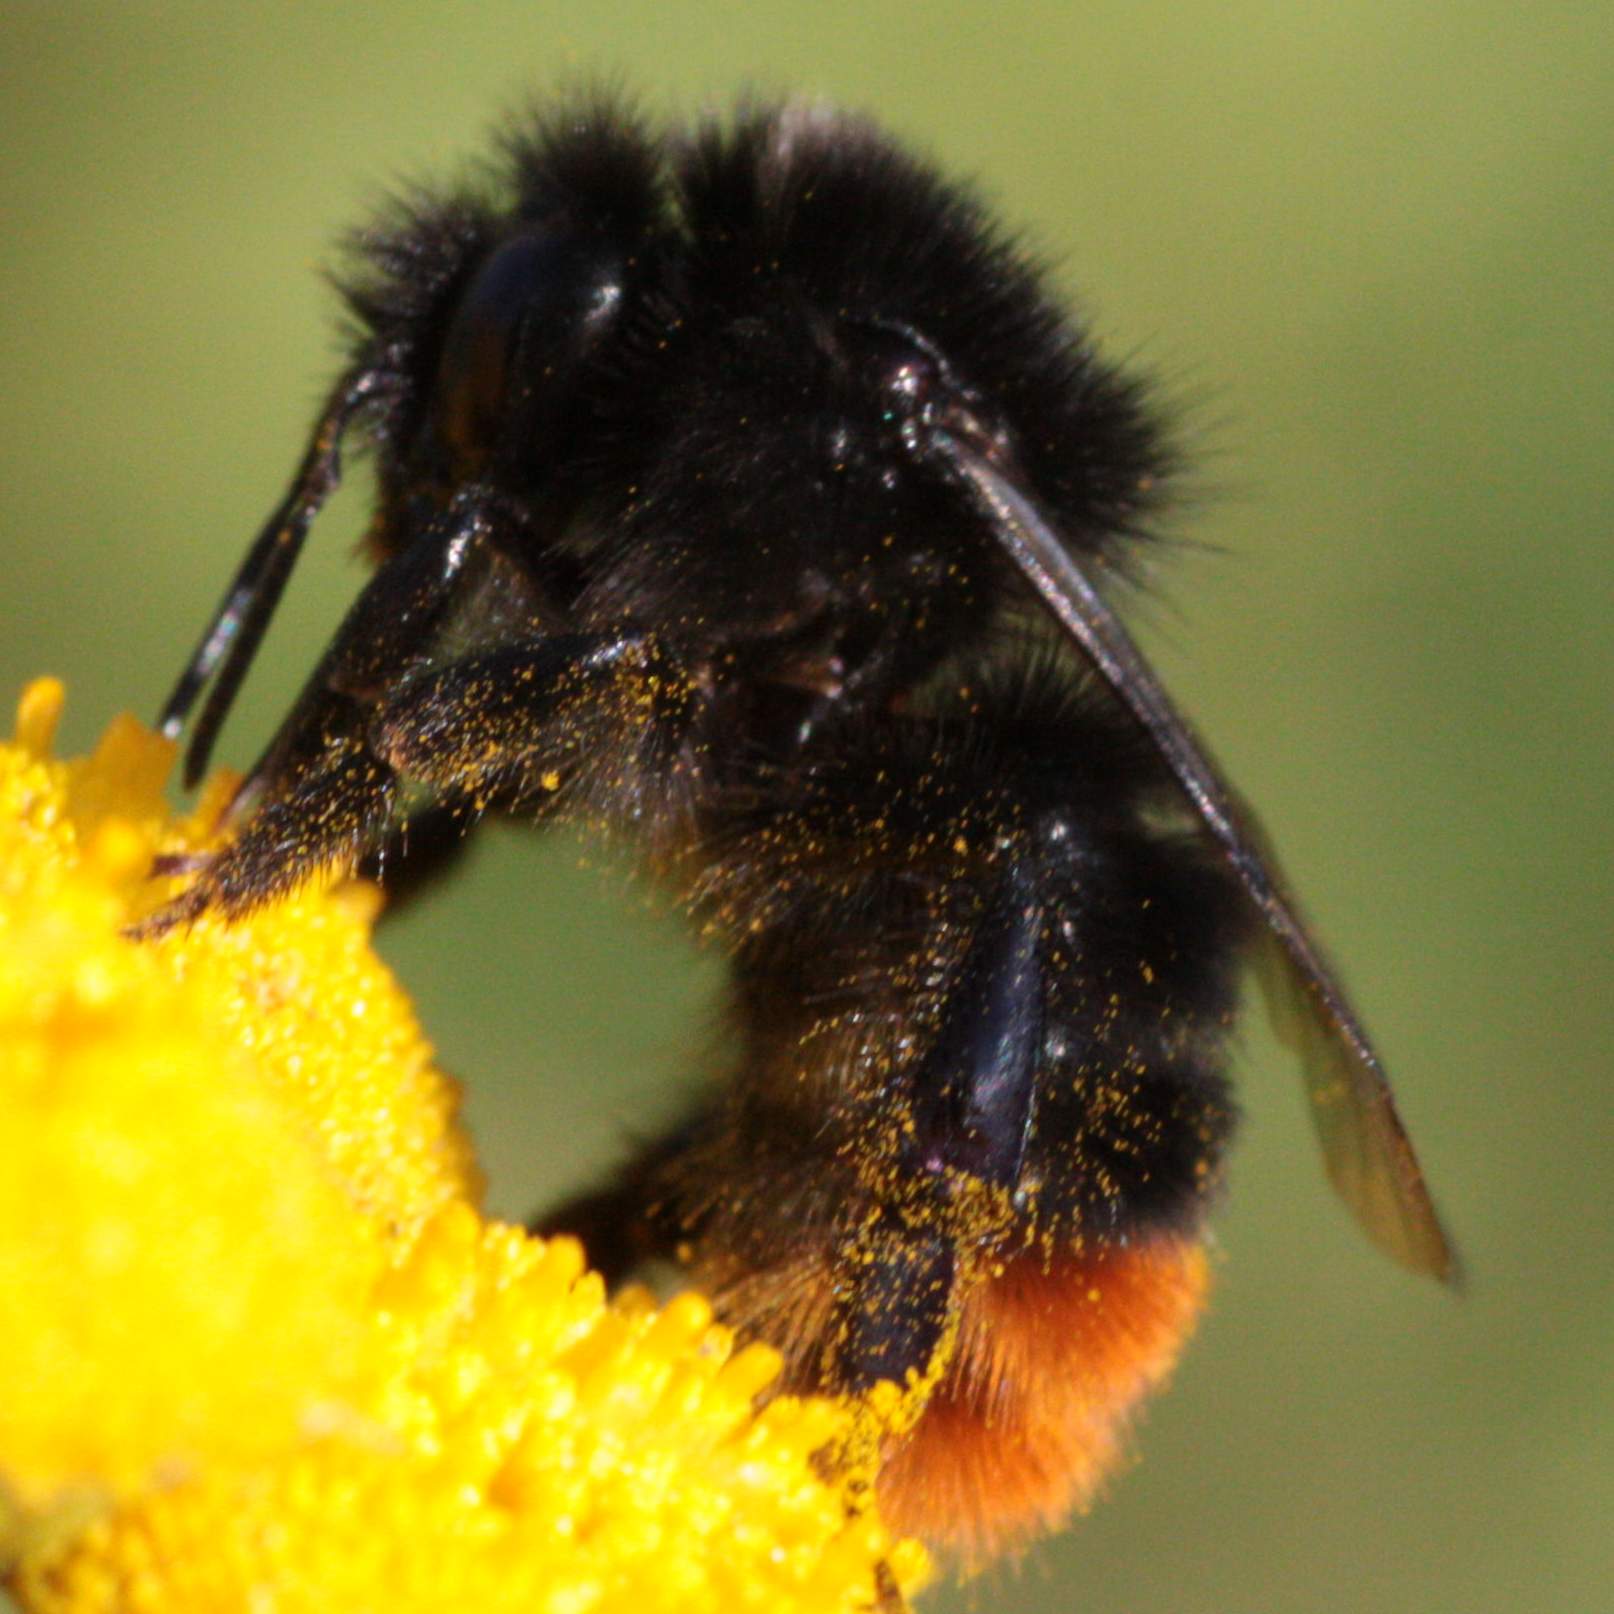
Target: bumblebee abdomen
{"points": [[1053, 1357]]}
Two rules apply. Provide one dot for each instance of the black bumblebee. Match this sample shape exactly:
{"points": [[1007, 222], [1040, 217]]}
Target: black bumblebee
{"points": [[744, 495]]}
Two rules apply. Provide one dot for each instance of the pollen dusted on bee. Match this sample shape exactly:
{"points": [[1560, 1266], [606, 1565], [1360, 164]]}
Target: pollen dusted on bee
{"points": [[746, 498]]}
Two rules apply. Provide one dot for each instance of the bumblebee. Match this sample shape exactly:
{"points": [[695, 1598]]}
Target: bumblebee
{"points": [[745, 496]]}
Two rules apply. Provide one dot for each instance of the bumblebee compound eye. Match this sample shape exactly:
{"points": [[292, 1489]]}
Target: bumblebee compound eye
{"points": [[535, 306]]}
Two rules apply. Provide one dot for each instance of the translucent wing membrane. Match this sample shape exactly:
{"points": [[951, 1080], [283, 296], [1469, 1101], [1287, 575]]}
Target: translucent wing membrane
{"points": [[1369, 1155]]}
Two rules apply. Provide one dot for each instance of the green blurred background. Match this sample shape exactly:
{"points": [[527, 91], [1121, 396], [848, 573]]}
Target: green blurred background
{"points": [[1371, 244]]}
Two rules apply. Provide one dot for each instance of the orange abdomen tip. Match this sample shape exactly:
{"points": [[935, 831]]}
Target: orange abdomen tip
{"points": [[1053, 1359]]}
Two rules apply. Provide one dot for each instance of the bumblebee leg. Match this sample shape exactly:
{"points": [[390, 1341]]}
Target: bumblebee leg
{"points": [[629, 1221], [333, 809], [970, 1112], [323, 797], [509, 728], [599, 719], [415, 852], [393, 627], [894, 1308]]}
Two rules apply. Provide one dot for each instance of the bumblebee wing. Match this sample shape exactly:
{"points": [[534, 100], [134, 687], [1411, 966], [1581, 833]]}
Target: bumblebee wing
{"points": [[238, 625], [1369, 1155]]}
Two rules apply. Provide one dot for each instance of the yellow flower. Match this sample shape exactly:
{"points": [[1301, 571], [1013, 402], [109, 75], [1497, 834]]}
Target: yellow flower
{"points": [[259, 1348]]}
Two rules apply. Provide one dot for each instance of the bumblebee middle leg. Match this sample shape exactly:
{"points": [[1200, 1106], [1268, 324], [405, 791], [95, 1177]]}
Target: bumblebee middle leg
{"points": [[630, 1220]]}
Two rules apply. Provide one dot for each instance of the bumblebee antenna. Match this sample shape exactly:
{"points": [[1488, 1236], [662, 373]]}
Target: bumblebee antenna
{"points": [[238, 625]]}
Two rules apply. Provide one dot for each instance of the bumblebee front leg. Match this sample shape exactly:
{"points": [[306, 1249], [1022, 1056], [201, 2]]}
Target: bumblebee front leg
{"points": [[392, 629], [602, 720], [590, 714]]}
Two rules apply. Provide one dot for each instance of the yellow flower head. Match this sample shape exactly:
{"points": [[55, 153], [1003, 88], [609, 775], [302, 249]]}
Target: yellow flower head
{"points": [[260, 1348]]}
